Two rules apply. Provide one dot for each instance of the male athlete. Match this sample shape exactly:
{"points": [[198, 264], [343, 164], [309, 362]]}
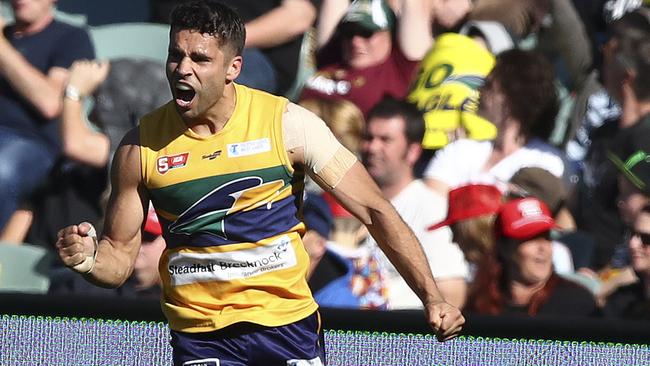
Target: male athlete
{"points": [[223, 165]]}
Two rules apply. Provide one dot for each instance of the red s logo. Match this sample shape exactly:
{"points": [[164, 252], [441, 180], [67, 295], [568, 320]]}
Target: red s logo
{"points": [[165, 163]]}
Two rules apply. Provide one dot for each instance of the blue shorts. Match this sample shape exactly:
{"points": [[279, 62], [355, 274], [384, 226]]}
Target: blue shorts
{"points": [[247, 344]]}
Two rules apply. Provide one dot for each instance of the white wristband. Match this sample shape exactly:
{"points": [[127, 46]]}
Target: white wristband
{"points": [[72, 93], [88, 263]]}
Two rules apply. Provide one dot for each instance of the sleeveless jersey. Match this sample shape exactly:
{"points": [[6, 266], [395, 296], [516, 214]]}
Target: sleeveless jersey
{"points": [[228, 205]]}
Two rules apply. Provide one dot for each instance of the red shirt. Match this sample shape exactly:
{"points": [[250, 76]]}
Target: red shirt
{"points": [[364, 87]]}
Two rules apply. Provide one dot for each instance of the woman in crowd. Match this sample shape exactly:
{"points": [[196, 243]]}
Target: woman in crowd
{"points": [[471, 214], [517, 276], [519, 98]]}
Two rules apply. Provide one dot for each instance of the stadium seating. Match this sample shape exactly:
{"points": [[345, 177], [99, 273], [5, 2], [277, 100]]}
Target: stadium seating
{"points": [[24, 268], [132, 40]]}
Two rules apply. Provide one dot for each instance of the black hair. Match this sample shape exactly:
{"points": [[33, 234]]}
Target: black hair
{"points": [[414, 125], [632, 32], [211, 17], [527, 80]]}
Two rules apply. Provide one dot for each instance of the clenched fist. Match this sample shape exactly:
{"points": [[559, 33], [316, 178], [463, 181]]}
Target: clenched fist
{"points": [[77, 246], [446, 320]]}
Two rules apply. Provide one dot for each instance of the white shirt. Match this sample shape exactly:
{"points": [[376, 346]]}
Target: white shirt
{"points": [[462, 161], [562, 258], [420, 207]]}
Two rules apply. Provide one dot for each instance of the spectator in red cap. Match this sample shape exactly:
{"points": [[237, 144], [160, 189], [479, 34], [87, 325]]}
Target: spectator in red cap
{"points": [[471, 213], [517, 276]]}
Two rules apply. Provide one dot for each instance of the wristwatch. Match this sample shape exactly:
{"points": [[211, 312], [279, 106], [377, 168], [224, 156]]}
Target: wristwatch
{"points": [[72, 93]]}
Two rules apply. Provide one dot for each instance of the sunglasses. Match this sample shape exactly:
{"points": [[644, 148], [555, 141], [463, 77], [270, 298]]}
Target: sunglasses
{"points": [[349, 32], [644, 237]]}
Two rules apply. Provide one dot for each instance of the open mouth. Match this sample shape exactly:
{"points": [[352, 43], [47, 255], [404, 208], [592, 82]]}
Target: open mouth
{"points": [[184, 95]]}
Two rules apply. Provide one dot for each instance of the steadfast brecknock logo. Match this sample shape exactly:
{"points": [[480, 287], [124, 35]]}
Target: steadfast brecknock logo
{"points": [[186, 268]]}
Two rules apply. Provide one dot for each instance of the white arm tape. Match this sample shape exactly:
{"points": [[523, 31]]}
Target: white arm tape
{"points": [[89, 262], [302, 128]]}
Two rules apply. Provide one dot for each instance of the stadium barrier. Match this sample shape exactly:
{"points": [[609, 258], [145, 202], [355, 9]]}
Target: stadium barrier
{"points": [[73, 330]]}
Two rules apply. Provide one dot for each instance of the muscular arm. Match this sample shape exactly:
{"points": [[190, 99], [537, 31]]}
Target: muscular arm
{"points": [[353, 187], [282, 24], [120, 242], [358, 193], [44, 92]]}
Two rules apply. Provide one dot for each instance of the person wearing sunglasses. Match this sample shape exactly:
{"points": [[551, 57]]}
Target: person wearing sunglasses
{"points": [[633, 195], [372, 54], [633, 300], [626, 77]]}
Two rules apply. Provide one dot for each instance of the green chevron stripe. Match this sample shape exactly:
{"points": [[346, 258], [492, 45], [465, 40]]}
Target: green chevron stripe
{"points": [[187, 193]]}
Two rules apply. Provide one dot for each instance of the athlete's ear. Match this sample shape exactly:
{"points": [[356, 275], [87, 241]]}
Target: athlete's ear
{"points": [[234, 68]]}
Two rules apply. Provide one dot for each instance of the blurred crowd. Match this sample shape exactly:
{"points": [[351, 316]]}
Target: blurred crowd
{"points": [[512, 136]]}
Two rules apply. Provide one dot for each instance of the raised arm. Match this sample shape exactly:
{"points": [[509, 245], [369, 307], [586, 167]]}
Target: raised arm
{"points": [[310, 143], [120, 242], [280, 25], [567, 36], [79, 141], [331, 13], [414, 34], [42, 91]]}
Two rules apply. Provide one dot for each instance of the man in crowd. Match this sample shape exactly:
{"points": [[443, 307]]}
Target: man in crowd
{"points": [[372, 63], [35, 52], [390, 150], [626, 76]]}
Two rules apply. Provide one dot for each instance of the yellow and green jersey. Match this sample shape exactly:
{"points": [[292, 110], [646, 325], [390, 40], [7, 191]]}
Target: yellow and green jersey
{"points": [[229, 207], [446, 89]]}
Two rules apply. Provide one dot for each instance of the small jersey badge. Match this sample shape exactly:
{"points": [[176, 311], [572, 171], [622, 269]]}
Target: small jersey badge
{"points": [[212, 156], [167, 163], [248, 148]]}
